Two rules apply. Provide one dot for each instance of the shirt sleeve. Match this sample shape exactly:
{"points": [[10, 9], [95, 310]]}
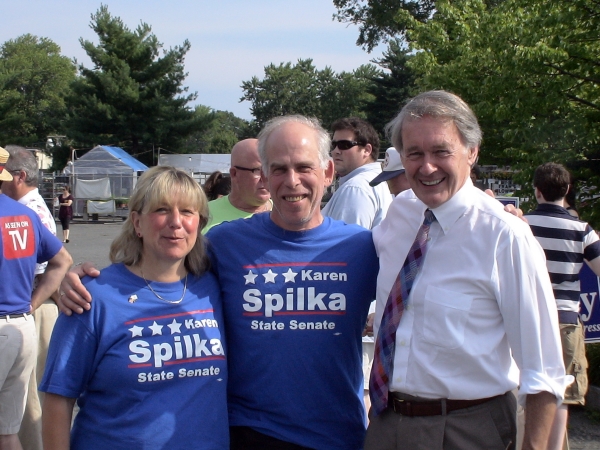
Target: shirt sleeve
{"points": [[591, 244], [71, 356], [530, 317], [49, 245]]}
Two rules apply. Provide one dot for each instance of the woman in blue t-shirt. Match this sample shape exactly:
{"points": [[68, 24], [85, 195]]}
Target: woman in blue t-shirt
{"points": [[146, 364]]}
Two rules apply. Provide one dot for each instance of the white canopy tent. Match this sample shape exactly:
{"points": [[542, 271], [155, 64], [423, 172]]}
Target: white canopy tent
{"points": [[198, 165]]}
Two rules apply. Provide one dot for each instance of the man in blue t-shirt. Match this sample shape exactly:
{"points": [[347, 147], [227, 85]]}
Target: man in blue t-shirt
{"points": [[24, 241], [296, 290]]}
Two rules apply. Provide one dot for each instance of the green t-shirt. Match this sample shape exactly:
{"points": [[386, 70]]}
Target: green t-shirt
{"points": [[221, 210]]}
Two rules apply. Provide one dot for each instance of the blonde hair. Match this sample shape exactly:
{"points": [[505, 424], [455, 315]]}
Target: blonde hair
{"points": [[158, 186]]}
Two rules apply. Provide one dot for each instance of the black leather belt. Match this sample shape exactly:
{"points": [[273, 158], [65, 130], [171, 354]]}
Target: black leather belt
{"points": [[413, 408], [14, 316]]}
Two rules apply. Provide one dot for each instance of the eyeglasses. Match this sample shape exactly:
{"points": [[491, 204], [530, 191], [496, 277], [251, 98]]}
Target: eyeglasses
{"points": [[255, 172], [343, 144]]}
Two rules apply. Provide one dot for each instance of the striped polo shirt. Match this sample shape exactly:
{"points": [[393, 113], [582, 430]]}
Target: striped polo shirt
{"points": [[567, 242]]}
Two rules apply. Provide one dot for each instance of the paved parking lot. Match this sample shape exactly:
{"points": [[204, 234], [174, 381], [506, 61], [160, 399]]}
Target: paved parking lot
{"points": [[91, 241]]}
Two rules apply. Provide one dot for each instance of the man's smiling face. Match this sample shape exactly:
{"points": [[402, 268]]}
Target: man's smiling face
{"points": [[436, 160], [296, 178]]}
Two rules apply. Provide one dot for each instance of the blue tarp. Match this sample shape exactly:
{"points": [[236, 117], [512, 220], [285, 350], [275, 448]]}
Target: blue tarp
{"points": [[125, 157]]}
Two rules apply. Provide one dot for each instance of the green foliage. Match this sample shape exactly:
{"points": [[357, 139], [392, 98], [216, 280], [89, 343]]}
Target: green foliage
{"points": [[592, 352], [302, 89], [132, 97], [34, 80], [390, 89], [222, 131], [376, 18], [529, 69]]}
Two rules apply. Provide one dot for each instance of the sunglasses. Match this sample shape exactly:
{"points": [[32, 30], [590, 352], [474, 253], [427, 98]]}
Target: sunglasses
{"points": [[343, 144]]}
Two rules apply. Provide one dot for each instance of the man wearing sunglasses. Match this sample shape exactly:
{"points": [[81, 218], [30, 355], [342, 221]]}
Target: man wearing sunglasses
{"points": [[354, 149], [249, 194]]}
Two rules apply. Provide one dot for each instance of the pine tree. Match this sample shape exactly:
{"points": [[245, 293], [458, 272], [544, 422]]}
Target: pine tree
{"points": [[132, 97]]}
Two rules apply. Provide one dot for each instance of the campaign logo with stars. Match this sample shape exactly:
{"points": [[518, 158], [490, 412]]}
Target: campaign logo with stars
{"points": [[294, 288], [174, 339]]}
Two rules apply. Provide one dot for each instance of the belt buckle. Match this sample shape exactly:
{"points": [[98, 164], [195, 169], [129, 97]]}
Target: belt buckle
{"points": [[404, 407], [399, 400]]}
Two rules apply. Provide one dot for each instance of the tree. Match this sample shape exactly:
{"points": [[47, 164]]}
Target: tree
{"points": [[34, 81], [390, 89], [376, 18], [302, 89], [529, 69], [132, 97], [223, 130]]}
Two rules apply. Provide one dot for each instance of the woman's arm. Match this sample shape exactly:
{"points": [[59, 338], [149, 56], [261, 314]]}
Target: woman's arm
{"points": [[57, 414]]}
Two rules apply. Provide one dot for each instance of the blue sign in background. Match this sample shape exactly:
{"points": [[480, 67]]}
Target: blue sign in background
{"points": [[590, 304]]}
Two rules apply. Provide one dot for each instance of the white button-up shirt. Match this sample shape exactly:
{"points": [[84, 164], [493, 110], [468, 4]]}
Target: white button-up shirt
{"points": [[355, 201], [482, 293], [34, 201]]}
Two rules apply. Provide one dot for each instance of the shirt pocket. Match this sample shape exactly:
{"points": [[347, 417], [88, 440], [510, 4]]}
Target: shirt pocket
{"points": [[446, 315]]}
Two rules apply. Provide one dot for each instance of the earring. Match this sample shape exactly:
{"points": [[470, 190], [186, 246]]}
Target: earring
{"points": [[139, 234]]}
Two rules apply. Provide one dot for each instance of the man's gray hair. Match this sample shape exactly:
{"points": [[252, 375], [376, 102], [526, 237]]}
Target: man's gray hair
{"points": [[23, 159], [441, 105], [323, 139]]}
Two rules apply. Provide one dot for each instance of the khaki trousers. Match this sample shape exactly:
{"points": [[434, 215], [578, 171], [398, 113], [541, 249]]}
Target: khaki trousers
{"points": [[30, 433]]}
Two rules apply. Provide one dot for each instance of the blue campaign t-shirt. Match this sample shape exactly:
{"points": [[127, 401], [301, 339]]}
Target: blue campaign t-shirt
{"points": [[24, 241], [295, 305], [147, 373]]}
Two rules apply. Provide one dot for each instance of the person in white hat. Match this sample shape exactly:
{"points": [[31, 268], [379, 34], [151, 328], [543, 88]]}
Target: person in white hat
{"points": [[393, 173]]}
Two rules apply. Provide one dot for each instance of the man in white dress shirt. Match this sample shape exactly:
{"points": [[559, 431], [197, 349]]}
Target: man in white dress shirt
{"points": [[482, 294]]}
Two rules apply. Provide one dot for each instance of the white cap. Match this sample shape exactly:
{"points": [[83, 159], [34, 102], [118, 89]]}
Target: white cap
{"points": [[392, 167]]}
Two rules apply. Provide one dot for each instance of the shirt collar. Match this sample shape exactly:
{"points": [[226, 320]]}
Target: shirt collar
{"points": [[31, 195], [374, 167], [549, 207], [449, 212]]}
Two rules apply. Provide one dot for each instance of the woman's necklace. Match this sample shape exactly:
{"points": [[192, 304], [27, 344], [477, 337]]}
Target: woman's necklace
{"points": [[172, 302]]}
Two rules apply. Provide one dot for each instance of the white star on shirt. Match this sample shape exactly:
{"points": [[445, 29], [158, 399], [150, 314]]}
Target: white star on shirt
{"points": [[269, 276], [175, 327], [136, 331], [290, 276], [156, 328], [250, 277]]}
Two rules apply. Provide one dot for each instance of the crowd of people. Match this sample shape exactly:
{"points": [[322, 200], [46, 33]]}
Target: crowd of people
{"points": [[416, 313]]}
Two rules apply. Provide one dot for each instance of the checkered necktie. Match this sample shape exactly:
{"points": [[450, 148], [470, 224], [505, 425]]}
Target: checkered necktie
{"points": [[385, 345]]}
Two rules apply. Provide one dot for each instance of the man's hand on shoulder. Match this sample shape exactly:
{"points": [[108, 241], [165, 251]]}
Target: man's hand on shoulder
{"points": [[74, 296], [509, 208]]}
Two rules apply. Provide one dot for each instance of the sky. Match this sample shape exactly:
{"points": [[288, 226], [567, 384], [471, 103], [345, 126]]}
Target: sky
{"points": [[231, 40]]}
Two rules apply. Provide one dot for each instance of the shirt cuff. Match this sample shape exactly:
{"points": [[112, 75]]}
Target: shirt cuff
{"points": [[534, 383]]}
